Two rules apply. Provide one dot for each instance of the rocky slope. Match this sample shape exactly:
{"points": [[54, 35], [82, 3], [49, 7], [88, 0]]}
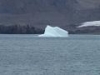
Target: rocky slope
{"points": [[39, 13]]}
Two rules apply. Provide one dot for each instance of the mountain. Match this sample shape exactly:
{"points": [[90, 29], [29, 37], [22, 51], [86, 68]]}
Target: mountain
{"points": [[54, 12]]}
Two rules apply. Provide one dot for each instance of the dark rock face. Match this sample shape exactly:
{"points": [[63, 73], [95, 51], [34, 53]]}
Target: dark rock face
{"points": [[54, 12], [88, 30]]}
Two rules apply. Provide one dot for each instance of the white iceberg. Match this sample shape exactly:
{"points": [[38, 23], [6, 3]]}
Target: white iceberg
{"points": [[91, 23], [54, 32]]}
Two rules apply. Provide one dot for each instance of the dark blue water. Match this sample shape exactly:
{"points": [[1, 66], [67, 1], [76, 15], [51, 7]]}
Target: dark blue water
{"points": [[32, 55]]}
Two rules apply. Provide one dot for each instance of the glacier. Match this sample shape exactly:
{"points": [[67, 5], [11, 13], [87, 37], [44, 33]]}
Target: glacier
{"points": [[54, 32], [90, 23]]}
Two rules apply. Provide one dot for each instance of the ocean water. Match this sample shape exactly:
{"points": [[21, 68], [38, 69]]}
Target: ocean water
{"points": [[32, 55]]}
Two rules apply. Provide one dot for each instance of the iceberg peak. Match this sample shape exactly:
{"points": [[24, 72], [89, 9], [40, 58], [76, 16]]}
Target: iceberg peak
{"points": [[54, 32]]}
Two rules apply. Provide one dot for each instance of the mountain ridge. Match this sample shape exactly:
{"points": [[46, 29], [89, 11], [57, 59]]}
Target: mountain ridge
{"points": [[40, 13]]}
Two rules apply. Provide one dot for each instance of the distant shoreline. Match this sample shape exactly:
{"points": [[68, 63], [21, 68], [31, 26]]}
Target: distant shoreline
{"points": [[29, 29]]}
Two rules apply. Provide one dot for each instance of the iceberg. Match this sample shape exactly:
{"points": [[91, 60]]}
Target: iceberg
{"points": [[91, 23], [54, 32]]}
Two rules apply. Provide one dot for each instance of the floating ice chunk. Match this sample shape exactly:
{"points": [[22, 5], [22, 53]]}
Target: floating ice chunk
{"points": [[91, 23], [54, 32]]}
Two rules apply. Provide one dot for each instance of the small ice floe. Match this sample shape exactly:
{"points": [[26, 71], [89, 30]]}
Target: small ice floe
{"points": [[54, 32], [91, 23]]}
